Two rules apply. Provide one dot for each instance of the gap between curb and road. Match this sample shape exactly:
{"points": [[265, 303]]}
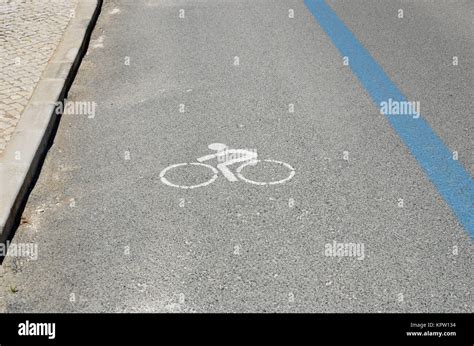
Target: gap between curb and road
{"points": [[24, 154]]}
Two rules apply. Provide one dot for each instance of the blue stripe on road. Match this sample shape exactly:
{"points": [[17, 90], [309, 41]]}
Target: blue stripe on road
{"points": [[453, 182]]}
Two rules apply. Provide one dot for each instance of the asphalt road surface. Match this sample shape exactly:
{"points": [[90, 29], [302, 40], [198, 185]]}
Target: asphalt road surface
{"points": [[112, 236]]}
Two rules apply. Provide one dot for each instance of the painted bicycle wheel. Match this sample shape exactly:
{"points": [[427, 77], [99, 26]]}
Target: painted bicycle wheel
{"points": [[179, 165], [255, 162]]}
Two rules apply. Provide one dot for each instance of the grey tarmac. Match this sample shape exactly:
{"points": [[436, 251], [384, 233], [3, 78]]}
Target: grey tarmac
{"points": [[113, 238]]}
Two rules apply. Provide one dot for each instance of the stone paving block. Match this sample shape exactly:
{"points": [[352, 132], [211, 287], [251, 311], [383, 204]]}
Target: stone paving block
{"points": [[30, 31]]}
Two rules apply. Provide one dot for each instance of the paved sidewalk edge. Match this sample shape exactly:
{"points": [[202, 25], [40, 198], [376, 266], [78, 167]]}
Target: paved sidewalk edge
{"points": [[22, 159]]}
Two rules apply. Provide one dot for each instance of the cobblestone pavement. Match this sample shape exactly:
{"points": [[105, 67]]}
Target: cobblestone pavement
{"points": [[30, 31]]}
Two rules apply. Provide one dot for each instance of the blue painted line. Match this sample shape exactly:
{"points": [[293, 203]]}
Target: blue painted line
{"points": [[452, 181]]}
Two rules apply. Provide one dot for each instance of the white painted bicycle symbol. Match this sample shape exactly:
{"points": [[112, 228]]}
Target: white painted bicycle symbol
{"points": [[228, 158]]}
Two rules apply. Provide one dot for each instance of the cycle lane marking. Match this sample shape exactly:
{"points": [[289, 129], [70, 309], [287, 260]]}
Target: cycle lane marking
{"points": [[230, 157], [453, 183]]}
